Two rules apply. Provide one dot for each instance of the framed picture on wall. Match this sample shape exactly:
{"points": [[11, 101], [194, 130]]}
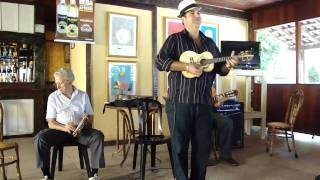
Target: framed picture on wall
{"points": [[171, 25], [121, 79], [122, 35], [211, 30]]}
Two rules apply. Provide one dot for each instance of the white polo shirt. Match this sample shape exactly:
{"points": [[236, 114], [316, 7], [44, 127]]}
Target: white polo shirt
{"points": [[65, 110]]}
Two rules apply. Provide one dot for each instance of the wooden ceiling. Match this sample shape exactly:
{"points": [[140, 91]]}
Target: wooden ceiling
{"points": [[48, 7], [241, 5]]}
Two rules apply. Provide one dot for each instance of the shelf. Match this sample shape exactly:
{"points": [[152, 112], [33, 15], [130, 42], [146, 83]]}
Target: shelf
{"points": [[254, 114], [249, 115]]}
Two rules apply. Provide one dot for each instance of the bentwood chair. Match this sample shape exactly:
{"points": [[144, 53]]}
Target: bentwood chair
{"points": [[150, 118], [6, 147], [285, 129]]}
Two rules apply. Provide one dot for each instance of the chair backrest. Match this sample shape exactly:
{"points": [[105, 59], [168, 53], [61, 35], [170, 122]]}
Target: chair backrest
{"points": [[1, 122], [148, 107], [295, 103]]}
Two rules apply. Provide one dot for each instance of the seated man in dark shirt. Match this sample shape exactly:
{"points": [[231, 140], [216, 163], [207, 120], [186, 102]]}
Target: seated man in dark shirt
{"points": [[224, 126]]}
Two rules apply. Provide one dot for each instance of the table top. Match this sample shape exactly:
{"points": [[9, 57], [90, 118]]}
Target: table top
{"points": [[125, 101]]}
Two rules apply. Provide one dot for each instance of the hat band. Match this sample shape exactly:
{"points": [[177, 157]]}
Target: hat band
{"points": [[182, 12]]}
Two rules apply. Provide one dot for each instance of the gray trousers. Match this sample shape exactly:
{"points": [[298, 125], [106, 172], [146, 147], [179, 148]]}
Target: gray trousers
{"points": [[46, 138], [223, 126]]}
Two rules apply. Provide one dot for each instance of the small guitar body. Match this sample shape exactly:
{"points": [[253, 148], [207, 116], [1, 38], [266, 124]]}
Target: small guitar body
{"points": [[195, 58], [207, 61]]}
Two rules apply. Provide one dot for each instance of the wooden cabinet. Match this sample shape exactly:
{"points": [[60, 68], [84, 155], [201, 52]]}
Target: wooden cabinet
{"points": [[10, 16], [28, 90], [17, 17]]}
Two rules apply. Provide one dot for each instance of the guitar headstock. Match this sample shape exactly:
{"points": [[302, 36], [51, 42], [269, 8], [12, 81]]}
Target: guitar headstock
{"points": [[246, 55]]}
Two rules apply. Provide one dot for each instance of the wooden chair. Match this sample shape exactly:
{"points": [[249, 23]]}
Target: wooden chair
{"points": [[7, 146], [285, 129]]}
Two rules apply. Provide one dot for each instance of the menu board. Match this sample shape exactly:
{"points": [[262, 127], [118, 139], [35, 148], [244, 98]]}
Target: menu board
{"points": [[75, 21]]}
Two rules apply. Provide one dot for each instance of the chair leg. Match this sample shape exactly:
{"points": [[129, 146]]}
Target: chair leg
{"points": [[268, 140], [86, 160], [273, 134], [135, 152], [53, 161], [143, 160], [153, 155], [18, 163], [286, 133], [60, 161], [171, 157], [294, 146], [80, 157], [3, 168]]}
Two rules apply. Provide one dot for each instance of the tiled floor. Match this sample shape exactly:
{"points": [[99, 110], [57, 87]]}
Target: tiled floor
{"points": [[256, 164]]}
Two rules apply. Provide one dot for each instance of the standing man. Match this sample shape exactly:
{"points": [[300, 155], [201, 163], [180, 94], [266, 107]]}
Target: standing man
{"points": [[189, 106], [65, 109]]}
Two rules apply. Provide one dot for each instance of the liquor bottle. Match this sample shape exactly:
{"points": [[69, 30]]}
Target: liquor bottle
{"points": [[73, 14], [10, 52], [15, 52], [4, 51], [1, 72], [62, 12], [23, 71], [15, 71], [23, 50], [30, 72]]}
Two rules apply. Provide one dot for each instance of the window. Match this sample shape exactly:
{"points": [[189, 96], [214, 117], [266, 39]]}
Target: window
{"points": [[277, 53], [309, 66]]}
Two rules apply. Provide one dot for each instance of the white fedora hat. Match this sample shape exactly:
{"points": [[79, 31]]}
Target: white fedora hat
{"points": [[186, 5]]}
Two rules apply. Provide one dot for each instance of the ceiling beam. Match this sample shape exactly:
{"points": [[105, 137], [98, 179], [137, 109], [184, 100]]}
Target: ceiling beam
{"points": [[173, 4]]}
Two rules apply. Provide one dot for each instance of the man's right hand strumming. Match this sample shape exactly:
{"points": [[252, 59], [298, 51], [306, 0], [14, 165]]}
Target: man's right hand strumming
{"points": [[195, 69]]}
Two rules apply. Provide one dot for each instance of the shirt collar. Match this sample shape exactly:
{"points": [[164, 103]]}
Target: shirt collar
{"points": [[75, 92], [202, 36]]}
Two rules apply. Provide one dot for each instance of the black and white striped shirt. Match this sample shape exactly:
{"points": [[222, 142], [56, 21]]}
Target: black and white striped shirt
{"points": [[188, 90]]}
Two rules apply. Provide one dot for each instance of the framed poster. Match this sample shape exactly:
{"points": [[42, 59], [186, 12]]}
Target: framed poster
{"points": [[74, 21], [211, 30], [122, 35], [172, 25], [122, 79]]}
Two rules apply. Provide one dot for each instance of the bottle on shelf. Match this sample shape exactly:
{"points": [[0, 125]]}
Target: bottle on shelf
{"points": [[16, 63], [4, 51], [73, 14], [30, 72], [23, 72], [62, 12]]}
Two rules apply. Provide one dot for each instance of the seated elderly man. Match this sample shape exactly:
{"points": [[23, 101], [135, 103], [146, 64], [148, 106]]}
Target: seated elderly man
{"points": [[65, 109]]}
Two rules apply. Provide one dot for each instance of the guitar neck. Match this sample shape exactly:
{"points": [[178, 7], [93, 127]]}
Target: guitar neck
{"points": [[216, 97], [214, 60]]}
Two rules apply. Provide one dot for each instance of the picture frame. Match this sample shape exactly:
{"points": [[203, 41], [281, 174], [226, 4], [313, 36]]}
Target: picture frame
{"points": [[211, 30], [122, 78], [122, 35], [171, 25]]}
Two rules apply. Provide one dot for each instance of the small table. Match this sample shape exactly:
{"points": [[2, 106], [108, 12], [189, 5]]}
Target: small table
{"points": [[124, 102]]}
